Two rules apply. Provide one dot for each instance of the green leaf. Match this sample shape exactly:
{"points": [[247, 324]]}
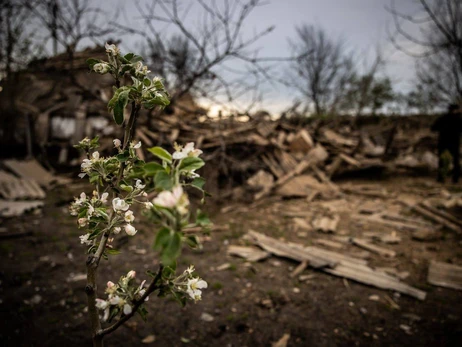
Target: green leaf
{"points": [[143, 312], [162, 239], [202, 218], [136, 58], [161, 153], [129, 56], [123, 157], [198, 183], [112, 251], [192, 241], [163, 181], [123, 98], [91, 62], [191, 163], [172, 249], [147, 82], [118, 113], [126, 188], [152, 168]]}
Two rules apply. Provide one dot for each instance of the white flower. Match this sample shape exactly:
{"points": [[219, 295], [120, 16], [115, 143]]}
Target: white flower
{"points": [[112, 49], [148, 205], [82, 222], [81, 200], [127, 309], [190, 269], [84, 239], [138, 185], [144, 194], [117, 143], [86, 164], [110, 284], [129, 217], [142, 291], [130, 229], [82, 175], [95, 155], [169, 199], [101, 68], [156, 79], [115, 300], [131, 274], [181, 153], [186, 151], [104, 197], [119, 205], [90, 211], [101, 304], [117, 230], [195, 153], [194, 286], [138, 145]]}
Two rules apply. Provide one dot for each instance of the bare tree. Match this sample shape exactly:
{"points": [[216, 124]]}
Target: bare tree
{"points": [[208, 56], [68, 22], [16, 37], [322, 70], [438, 25], [368, 91]]}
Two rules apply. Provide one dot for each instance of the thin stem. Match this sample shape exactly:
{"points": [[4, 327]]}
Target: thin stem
{"points": [[94, 259], [136, 305]]}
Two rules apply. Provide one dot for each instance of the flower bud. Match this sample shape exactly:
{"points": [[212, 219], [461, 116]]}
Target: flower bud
{"points": [[101, 68], [130, 229]]}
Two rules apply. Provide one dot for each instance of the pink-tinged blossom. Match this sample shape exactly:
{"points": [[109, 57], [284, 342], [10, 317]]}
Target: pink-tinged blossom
{"points": [[169, 199]]}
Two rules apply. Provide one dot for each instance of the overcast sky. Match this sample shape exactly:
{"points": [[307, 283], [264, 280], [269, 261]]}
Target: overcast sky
{"points": [[362, 24]]}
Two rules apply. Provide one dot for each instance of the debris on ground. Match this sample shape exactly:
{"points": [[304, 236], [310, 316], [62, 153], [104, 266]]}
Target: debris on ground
{"points": [[445, 275]]}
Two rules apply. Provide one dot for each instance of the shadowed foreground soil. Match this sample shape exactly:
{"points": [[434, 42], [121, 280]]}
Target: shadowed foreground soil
{"points": [[251, 304]]}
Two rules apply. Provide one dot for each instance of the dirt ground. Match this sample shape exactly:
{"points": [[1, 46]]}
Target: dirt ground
{"points": [[251, 304]]}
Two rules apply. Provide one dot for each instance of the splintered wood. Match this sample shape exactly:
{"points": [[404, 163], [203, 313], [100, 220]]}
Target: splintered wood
{"points": [[333, 263], [445, 275], [248, 253]]}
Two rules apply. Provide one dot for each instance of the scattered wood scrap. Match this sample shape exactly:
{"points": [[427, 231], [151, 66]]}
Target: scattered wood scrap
{"points": [[445, 275], [12, 188], [32, 170], [17, 208], [373, 248], [249, 253], [326, 224], [334, 263], [426, 235], [438, 218]]}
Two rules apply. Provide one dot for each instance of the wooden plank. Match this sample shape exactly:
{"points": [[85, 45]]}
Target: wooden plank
{"points": [[248, 253], [377, 280], [30, 170], [373, 248], [326, 224], [436, 218], [315, 155], [285, 250], [329, 243], [17, 208], [445, 275], [374, 219], [442, 214], [341, 265]]}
